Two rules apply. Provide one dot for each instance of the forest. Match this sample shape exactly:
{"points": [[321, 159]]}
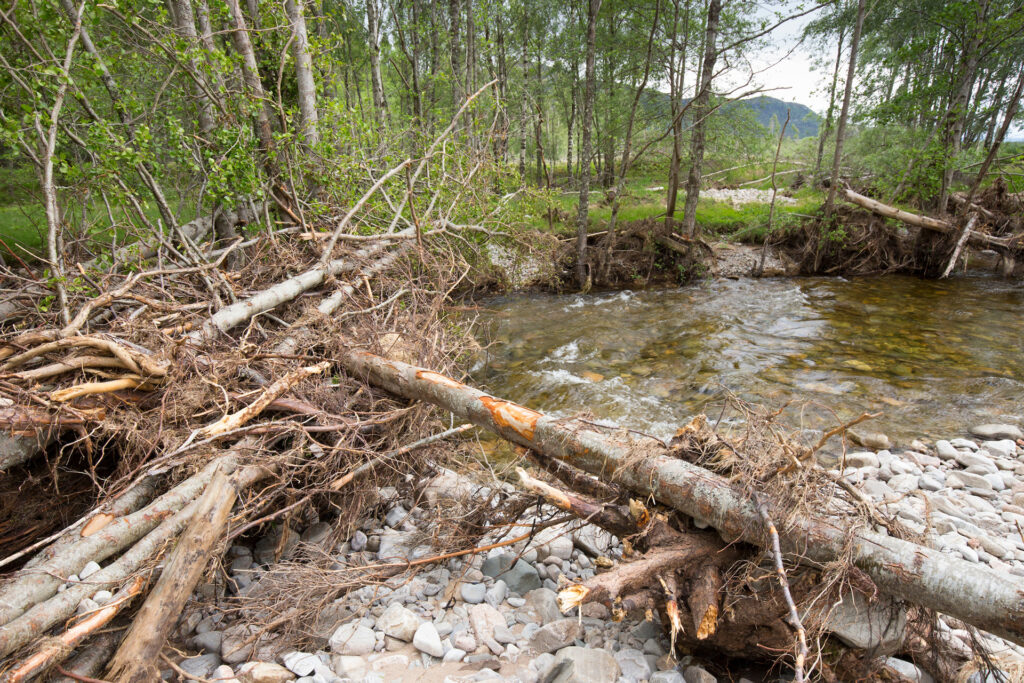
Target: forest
{"points": [[534, 341]]}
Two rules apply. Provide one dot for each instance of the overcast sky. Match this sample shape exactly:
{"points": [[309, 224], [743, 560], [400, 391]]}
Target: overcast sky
{"points": [[789, 67]]}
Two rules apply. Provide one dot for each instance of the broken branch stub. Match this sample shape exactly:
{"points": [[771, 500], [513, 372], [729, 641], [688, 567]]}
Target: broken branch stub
{"points": [[976, 595]]}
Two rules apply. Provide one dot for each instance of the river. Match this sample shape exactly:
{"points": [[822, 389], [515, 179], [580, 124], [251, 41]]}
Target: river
{"points": [[935, 357]]}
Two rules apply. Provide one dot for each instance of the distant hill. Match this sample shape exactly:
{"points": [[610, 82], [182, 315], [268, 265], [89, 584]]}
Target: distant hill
{"points": [[802, 121], [768, 111]]}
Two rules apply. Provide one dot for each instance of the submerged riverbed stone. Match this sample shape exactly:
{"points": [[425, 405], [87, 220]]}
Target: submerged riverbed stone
{"points": [[994, 432]]}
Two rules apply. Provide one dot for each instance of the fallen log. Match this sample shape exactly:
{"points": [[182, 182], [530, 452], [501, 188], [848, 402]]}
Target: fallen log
{"points": [[40, 581], [974, 238], [45, 614], [976, 595], [237, 313], [145, 638], [56, 649]]}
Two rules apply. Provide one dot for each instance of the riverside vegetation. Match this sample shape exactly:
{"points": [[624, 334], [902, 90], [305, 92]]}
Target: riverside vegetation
{"points": [[250, 253]]}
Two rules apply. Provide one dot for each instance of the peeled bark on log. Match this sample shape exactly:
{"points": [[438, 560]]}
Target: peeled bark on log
{"points": [[45, 615], [628, 578], [975, 238], [976, 595], [36, 583], [145, 638], [237, 313], [703, 601]]}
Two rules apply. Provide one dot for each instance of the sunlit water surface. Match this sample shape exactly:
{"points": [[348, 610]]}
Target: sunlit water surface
{"points": [[934, 357]]}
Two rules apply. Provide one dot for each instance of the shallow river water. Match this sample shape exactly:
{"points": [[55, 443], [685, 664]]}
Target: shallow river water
{"points": [[934, 357]]}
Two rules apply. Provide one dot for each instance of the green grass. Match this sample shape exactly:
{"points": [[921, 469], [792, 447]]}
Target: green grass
{"points": [[23, 229], [747, 222]]}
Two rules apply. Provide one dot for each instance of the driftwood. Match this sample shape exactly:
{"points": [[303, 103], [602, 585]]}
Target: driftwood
{"points": [[54, 650], [46, 613], [976, 595], [974, 238], [237, 313], [145, 638], [40, 581]]}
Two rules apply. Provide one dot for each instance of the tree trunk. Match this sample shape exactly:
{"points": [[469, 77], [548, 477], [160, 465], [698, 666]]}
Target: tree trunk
{"points": [[1011, 112], [593, 7], [827, 127], [303, 73], [627, 144], [956, 116], [380, 105], [455, 43], [845, 112], [982, 597], [677, 80], [523, 107], [253, 84], [700, 114]]}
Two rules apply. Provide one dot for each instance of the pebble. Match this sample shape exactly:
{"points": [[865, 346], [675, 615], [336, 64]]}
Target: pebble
{"points": [[426, 639], [398, 622], [946, 450], [87, 571], [301, 663], [201, 666], [633, 663], [473, 593], [695, 674], [358, 541], [1001, 449], [454, 655], [352, 639]]}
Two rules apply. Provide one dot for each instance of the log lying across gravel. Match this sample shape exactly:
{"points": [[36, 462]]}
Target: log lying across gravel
{"points": [[981, 597], [974, 237]]}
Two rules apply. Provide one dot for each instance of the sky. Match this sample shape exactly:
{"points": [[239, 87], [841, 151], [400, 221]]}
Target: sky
{"points": [[788, 67]]}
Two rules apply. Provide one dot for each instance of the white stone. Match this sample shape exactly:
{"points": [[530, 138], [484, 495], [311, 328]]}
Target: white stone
{"points": [[398, 622], [352, 639], [945, 450], [454, 655], [1003, 448], [88, 570], [908, 671], [300, 663], [426, 639]]}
